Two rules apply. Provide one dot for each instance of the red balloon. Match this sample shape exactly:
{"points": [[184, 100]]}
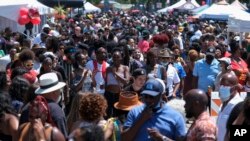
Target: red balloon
{"points": [[36, 20], [23, 20], [23, 11], [33, 12]]}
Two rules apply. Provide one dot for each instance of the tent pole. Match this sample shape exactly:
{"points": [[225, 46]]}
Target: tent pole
{"points": [[241, 35]]}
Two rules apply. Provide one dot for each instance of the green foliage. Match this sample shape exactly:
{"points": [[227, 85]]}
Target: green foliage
{"points": [[94, 1]]}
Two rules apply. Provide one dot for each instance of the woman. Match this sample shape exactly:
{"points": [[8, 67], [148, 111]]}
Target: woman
{"points": [[92, 110], [47, 67], [139, 78], [40, 126], [117, 77], [74, 115], [26, 58], [8, 119], [193, 55], [18, 91], [239, 66], [81, 76], [153, 69], [143, 45], [88, 133]]}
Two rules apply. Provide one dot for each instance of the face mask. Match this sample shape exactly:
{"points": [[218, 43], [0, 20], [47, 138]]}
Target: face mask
{"points": [[158, 105], [164, 64], [59, 99], [176, 56], [224, 93], [209, 58]]}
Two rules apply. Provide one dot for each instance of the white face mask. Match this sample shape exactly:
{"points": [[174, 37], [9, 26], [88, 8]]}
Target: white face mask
{"points": [[164, 64], [224, 93], [59, 99]]}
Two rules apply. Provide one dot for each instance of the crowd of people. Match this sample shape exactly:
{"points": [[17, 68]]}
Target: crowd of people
{"points": [[117, 76]]}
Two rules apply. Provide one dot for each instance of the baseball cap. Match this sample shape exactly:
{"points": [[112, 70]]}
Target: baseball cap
{"points": [[153, 87], [138, 72], [210, 51]]}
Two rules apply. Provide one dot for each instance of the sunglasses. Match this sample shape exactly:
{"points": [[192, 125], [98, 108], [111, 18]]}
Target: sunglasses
{"points": [[29, 65]]}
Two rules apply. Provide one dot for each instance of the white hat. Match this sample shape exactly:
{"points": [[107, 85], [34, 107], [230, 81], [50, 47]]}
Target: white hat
{"points": [[45, 26], [49, 83], [237, 38], [226, 60]]}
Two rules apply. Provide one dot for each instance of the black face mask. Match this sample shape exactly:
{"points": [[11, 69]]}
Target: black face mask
{"points": [[176, 56], [209, 58]]}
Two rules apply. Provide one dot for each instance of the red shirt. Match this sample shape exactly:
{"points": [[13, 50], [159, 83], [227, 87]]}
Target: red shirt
{"points": [[143, 45]]}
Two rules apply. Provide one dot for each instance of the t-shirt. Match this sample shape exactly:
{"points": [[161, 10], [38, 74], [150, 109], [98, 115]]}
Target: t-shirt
{"points": [[167, 121], [172, 78], [98, 77], [206, 73], [224, 116], [143, 45]]}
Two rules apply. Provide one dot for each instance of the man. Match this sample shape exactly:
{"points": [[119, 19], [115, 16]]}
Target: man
{"points": [[98, 68], [50, 88], [203, 128], [205, 71], [154, 120], [229, 98], [77, 36], [41, 37]]}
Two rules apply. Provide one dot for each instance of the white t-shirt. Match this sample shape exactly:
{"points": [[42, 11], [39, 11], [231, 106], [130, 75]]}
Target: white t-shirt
{"points": [[98, 77], [224, 115], [172, 78]]}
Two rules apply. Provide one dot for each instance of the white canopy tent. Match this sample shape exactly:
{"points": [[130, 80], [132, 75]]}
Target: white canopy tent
{"points": [[222, 12], [10, 11], [91, 8], [176, 5], [239, 24], [88, 8], [237, 3]]}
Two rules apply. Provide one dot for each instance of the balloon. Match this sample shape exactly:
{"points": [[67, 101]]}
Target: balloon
{"points": [[23, 20], [33, 12], [23, 11], [36, 20]]}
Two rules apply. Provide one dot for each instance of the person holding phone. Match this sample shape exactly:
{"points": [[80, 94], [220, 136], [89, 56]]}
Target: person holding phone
{"points": [[154, 120]]}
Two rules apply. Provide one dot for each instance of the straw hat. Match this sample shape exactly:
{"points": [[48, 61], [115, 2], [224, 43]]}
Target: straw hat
{"points": [[127, 100], [164, 53]]}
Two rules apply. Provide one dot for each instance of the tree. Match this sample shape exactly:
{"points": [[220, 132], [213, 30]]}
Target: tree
{"points": [[94, 1]]}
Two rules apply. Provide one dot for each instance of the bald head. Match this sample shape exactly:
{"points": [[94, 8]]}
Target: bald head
{"points": [[196, 103], [197, 95], [229, 79]]}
